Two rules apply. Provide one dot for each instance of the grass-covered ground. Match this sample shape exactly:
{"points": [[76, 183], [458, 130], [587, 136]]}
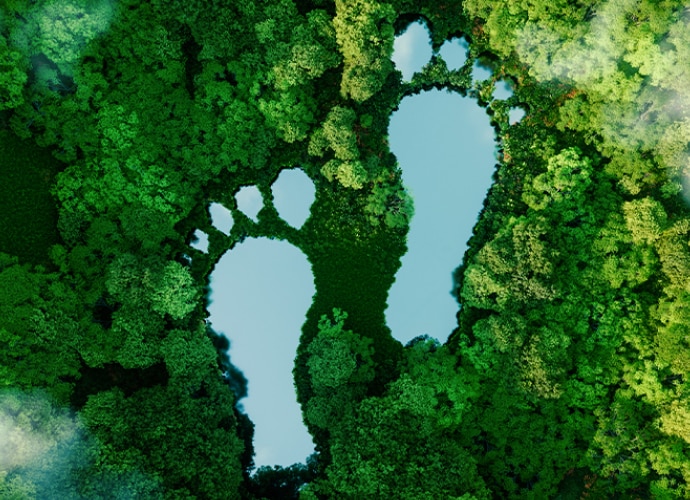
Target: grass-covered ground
{"points": [[28, 226]]}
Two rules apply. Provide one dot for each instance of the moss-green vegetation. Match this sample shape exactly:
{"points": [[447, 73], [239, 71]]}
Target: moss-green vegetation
{"points": [[567, 373], [28, 226]]}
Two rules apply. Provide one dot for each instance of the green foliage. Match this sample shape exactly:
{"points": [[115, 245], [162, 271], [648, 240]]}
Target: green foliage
{"points": [[167, 288], [646, 219], [187, 355], [352, 271], [567, 372], [350, 174], [60, 31], [165, 434], [38, 330], [150, 227], [13, 77], [292, 115], [282, 482], [174, 292], [339, 134], [340, 367], [565, 181], [309, 52], [364, 31], [389, 202], [556, 317], [403, 443], [28, 225]]}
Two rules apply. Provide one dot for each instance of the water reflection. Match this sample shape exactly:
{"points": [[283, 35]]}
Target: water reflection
{"points": [[293, 194], [261, 291], [221, 218], [454, 53], [249, 201], [412, 50], [515, 115], [200, 241], [445, 147], [480, 72], [502, 90]]}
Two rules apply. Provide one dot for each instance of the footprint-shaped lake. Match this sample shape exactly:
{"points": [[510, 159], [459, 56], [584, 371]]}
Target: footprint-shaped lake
{"points": [[260, 293], [262, 289]]}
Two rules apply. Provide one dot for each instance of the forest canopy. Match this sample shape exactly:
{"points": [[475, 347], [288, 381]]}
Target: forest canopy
{"points": [[121, 121]]}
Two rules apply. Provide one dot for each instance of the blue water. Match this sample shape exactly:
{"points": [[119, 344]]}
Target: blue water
{"points": [[249, 201], [261, 291], [293, 194], [221, 218], [446, 148]]}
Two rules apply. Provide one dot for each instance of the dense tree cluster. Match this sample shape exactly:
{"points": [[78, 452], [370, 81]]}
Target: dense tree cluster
{"points": [[121, 121]]}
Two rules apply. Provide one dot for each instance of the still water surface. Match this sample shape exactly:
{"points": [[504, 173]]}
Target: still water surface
{"points": [[260, 292], [262, 289], [445, 147]]}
